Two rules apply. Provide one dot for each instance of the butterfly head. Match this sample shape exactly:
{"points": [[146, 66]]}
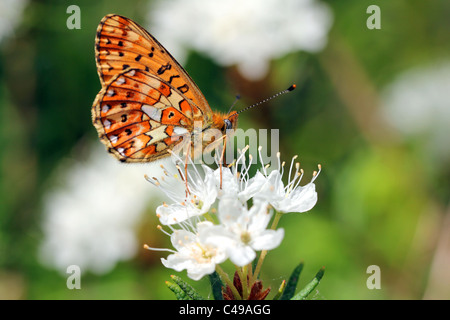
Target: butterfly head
{"points": [[225, 122], [230, 122]]}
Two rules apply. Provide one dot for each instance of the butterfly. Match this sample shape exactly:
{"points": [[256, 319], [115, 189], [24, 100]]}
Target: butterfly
{"points": [[148, 103]]}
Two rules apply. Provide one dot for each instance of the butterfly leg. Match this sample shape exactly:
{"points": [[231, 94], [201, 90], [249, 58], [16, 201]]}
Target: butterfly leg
{"points": [[188, 151], [222, 160]]}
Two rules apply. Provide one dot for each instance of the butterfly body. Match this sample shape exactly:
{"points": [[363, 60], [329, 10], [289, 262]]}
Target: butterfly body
{"points": [[148, 104]]}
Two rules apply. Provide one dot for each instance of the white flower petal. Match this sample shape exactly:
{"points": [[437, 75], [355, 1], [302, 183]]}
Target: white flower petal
{"points": [[254, 186], [181, 238], [200, 271], [242, 255], [258, 217], [272, 189], [196, 200], [177, 262], [230, 210], [230, 186], [268, 240], [194, 255], [302, 199], [175, 213], [219, 236]]}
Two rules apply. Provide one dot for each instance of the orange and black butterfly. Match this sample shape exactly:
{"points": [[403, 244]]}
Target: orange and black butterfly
{"points": [[148, 102]]}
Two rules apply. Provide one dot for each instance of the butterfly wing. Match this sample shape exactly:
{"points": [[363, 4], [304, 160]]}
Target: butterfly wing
{"points": [[139, 117], [147, 99], [121, 44]]}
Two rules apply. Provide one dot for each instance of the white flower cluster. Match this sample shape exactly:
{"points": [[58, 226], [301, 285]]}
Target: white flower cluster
{"points": [[248, 34], [416, 103], [91, 214], [10, 16], [204, 235]]}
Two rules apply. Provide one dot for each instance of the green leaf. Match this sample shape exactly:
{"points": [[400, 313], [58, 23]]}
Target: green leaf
{"points": [[292, 283], [187, 288], [179, 294], [216, 285], [310, 286], [280, 290]]}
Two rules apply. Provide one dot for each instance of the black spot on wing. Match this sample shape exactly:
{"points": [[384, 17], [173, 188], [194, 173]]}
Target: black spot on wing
{"points": [[164, 68], [184, 88]]}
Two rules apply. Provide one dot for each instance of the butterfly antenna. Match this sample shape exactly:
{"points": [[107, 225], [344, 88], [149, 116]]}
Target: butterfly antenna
{"points": [[234, 103], [292, 87]]}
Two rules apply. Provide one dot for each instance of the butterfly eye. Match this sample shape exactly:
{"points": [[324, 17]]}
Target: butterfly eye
{"points": [[228, 124]]}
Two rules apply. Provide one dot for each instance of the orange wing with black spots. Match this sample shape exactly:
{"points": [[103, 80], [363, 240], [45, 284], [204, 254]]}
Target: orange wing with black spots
{"points": [[121, 44], [148, 103], [140, 117]]}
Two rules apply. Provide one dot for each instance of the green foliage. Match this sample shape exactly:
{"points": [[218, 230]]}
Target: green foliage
{"points": [[182, 290], [292, 283], [306, 291], [216, 285], [187, 290]]}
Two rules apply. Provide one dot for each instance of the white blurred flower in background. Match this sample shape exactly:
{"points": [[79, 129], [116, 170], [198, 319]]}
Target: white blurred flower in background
{"points": [[90, 220], [248, 33], [417, 104], [10, 16]]}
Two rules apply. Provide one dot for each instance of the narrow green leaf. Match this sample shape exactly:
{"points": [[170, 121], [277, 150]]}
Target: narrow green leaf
{"points": [[292, 283], [280, 290], [179, 294], [216, 285], [187, 288], [310, 286]]}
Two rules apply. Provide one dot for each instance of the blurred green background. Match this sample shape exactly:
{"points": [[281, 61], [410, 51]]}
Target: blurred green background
{"points": [[383, 191]]}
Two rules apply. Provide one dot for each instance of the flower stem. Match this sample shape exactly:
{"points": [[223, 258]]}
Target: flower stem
{"points": [[276, 220], [259, 264], [242, 272], [250, 275], [229, 283], [263, 254]]}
